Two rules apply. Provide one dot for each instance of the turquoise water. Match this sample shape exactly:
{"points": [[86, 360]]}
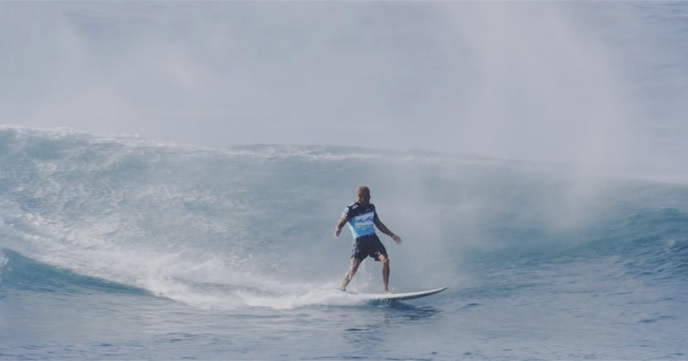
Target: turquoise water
{"points": [[119, 248], [548, 190]]}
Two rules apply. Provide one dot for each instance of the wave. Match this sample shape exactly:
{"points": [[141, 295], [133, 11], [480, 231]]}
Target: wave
{"points": [[21, 273], [251, 226]]}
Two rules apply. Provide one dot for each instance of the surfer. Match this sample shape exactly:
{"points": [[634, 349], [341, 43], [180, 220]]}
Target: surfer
{"points": [[362, 219]]}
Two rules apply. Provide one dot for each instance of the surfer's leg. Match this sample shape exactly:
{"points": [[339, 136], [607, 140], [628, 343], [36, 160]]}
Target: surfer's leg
{"points": [[385, 272], [355, 262]]}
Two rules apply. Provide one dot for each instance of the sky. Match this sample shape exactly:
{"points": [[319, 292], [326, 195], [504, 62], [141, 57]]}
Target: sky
{"points": [[593, 83]]}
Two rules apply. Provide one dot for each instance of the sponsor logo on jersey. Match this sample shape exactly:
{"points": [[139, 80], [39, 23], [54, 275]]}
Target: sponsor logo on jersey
{"points": [[363, 224], [365, 219]]}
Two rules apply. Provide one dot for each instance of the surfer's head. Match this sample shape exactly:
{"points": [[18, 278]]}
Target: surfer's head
{"points": [[363, 195]]}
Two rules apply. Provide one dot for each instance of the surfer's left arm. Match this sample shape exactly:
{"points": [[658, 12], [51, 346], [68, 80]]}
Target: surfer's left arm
{"points": [[381, 226]]}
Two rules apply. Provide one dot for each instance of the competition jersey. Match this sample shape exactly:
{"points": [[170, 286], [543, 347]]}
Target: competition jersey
{"points": [[361, 219]]}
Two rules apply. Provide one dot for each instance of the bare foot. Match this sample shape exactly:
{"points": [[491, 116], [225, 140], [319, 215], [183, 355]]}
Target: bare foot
{"points": [[387, 292]]}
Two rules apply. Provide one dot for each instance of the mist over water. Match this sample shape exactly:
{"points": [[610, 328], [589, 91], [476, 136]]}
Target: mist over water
{"points": [[600, 85]]}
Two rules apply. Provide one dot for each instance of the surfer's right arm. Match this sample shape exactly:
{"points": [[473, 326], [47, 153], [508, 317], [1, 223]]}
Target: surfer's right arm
{"points": [[338, 228]]}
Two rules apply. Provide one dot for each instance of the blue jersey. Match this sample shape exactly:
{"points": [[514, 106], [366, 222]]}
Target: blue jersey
{"points": [[361, 219]]}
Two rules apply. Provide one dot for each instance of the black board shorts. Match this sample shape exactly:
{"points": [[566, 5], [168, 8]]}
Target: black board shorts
{"points": [[368, 246]]}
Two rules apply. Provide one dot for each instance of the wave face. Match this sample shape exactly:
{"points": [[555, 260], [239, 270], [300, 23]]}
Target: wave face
{"points": [[246, 228]]}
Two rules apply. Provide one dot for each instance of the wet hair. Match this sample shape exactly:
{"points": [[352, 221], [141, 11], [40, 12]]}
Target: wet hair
{"points": [[362, 189]]}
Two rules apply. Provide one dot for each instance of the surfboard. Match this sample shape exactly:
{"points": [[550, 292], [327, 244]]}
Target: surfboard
{"points": [[381, 297]]}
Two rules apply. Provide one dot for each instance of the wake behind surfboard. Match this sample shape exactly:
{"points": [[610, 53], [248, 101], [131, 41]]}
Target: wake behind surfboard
{"points": [[382, 297]]}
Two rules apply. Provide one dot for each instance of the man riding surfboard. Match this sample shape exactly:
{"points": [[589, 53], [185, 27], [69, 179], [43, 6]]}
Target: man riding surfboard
{"points": [[362, 219]]}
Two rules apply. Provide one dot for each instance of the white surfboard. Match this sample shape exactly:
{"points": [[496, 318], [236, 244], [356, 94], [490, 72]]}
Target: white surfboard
{"points": [[375, 297]]}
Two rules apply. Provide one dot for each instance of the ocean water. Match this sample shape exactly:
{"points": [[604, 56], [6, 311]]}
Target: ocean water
{"points": [[173, 246], [121, 248]]}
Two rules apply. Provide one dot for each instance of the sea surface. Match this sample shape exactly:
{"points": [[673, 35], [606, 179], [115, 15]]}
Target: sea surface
{"points": [[167, 247], [119, 248]]}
